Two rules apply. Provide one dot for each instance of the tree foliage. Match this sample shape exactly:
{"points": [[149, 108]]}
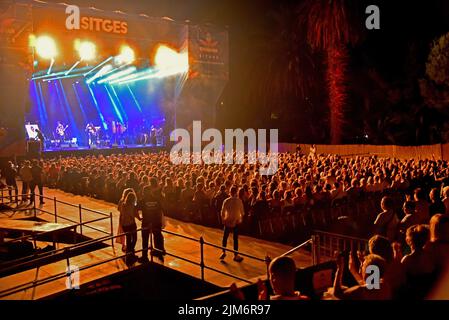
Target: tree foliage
{"points": [[435, 87]]}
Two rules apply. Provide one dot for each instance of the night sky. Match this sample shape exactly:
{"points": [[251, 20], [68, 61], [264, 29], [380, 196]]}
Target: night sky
{"points": [[404, 25]]}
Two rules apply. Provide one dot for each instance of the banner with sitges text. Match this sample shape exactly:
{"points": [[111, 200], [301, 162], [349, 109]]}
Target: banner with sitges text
{"points": [[108, 30]]}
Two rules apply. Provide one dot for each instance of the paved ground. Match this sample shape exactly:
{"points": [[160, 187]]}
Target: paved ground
{"points": [[182, 247]]}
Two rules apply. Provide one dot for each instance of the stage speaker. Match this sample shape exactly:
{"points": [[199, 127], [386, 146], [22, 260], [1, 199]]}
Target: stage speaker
{"points": [[65, 145], [114, 145], [93, 146]]}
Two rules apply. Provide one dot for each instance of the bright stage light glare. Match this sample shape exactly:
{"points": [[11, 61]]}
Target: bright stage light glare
{"points": [[100, 73], [126, 55], [118, 75], [45, 47], [86, 50], [167, 58]]}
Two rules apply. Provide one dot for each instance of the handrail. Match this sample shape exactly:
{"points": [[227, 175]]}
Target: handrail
{"points": [[296, 248], [35, 234], [338, 235], [75, 246], [52, 199], [39, 282], [79, 223], [45, 255]]}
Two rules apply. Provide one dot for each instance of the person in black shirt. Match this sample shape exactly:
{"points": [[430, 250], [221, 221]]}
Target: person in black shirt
{"points": [[436, 206], [217, 201], [152, 221], [36, 172], [10, 174]]}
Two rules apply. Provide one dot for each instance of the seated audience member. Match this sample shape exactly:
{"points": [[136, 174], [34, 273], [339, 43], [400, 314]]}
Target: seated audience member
{"points": [[386, 223], [418, 266], [363, 291], [438, 247]]}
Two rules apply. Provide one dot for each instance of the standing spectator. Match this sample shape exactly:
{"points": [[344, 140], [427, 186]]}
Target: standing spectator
{"points": [[312, 152], [410, 218], [438, 247], [37, 173], [422, 206], [128, 214], [232, 215], [386, 223], [152, 222], [394, 272], [27, 177], [418, 266], [53, 174], [361, 291], [10, 174], [436, 205], [260, 208], [220, 197], [122, 239], [446, 198]]}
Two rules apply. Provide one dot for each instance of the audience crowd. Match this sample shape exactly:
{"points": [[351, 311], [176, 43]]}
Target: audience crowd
{"points": [[410, 246]]}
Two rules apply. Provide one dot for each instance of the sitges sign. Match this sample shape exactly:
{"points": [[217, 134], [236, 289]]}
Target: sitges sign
{"points": [[74, 21]]}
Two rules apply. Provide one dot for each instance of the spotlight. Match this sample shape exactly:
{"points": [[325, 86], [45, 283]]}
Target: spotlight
{"points": [[86, 50], [45, 47], [168, 62], [126, 55], [165, 57]]}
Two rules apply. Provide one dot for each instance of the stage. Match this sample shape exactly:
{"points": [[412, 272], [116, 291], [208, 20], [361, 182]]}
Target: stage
{"points": [[126, 85], [84, 151]]}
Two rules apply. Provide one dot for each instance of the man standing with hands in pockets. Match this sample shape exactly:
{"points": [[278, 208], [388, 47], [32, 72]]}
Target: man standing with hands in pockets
{"points": [[231, 216]]}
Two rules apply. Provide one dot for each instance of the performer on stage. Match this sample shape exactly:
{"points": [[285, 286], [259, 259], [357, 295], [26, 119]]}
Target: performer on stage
{"points": [[153, 135], [41, 138], [91, 133], [159, 136], [117, 129], [60, 131]]}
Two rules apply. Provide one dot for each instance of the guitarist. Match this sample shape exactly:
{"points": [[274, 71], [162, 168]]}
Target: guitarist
{"points": [[60, 131]]}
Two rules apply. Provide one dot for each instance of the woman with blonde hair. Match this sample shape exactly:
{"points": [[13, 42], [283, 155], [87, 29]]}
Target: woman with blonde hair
{"points": [[128, 214], [121, 240]]}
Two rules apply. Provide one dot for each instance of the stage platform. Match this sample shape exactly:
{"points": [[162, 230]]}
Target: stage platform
{"points": [[83, 151]]}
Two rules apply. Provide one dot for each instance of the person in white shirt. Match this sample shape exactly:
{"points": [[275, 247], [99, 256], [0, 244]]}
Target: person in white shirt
{"points": [[232, 213]]}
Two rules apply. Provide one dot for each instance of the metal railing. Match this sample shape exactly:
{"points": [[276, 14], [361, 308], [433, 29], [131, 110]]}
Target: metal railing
{"points": [[302, 245], [325, 244], [201, 263], [76, 224], [79, 207]]}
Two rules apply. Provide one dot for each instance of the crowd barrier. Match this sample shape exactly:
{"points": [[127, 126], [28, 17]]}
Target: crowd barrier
{"points": [[436, 151], [297, 224]]}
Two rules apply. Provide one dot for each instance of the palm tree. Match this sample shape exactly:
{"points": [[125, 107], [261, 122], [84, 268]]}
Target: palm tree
{"points": [[331, 26]]}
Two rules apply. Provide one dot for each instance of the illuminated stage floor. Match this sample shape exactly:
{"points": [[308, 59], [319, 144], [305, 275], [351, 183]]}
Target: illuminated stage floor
{"points": [[81, 150], [185, 248]]}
